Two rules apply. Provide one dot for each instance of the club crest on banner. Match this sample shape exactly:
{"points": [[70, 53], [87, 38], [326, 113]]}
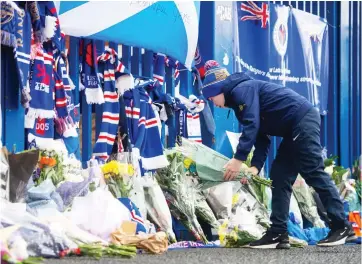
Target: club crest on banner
{"points": [[280, 33]]}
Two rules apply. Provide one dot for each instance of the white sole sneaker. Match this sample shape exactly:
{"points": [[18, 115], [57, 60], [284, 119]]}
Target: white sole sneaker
{"points": [[335, 243], [272, 246], [265, 246]]}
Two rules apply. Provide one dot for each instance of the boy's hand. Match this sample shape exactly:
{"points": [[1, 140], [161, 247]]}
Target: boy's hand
{"points": [[232, 169], [253, 170], [244, 180]]}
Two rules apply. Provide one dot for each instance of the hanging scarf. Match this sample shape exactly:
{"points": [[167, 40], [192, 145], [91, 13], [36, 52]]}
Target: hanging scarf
{"points": [[207, 120], [181, 121], [199, 63], [89, 75], [37, 27], [61, 101], [194, 107], [108, 65], [42, 85], [170, 62], [193, 127], [50, 24], [42, 133], [68, 125], [160, 114], [16, 33], [143, 129], [159, 70], [23, 55]]}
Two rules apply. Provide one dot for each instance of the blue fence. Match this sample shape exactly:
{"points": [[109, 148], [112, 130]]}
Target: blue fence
{"points": [[140, 63], [341, 127]]}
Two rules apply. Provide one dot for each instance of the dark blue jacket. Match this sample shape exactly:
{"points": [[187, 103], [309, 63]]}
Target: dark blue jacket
{"points": [[264, 109]]}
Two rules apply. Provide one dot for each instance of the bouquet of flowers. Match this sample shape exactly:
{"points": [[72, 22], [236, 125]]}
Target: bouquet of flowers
{"points": [[158, 210], [180, 195], [306, 202], [50, 165], [210, 164], [204, 212], [117, 176]]}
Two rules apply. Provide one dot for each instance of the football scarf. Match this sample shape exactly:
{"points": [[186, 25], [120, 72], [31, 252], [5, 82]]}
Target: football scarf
{"points": [[42, 85], [89, 75], [42, 133], [143, 129], [109, 68]]}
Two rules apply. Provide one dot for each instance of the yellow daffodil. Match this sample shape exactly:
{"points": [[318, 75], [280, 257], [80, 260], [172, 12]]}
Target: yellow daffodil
{"points": [[111, 167], [117, 169]]}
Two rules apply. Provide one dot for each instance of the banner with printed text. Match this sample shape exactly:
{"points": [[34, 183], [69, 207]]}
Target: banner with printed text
{"points": [[283, 45]]}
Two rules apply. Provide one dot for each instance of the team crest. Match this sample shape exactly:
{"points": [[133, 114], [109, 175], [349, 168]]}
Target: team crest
{"points": [[241, 107], [7, 13], [280, 37]]}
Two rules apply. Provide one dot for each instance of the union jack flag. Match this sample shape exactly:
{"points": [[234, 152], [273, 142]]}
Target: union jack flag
{"points": [[256, 12]]}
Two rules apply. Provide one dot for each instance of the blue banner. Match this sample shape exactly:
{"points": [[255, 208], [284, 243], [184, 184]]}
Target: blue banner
{"points": [[283, 45]]}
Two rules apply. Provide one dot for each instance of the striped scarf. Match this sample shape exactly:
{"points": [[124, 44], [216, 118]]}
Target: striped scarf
{"points": [[42, 133], [50, 24], [143, 129], [194, 107], [199, 63], [89, 72], [23, 55], [16, 33], [188, 118], [67, 127], [64, 94], [110, 69], [206, 118], [61, 101], [159, 70], [42, 84]]}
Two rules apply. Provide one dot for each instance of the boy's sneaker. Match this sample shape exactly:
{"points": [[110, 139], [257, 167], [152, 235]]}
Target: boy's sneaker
{"points": [[272, 240], [338, 237], [351, 236]]}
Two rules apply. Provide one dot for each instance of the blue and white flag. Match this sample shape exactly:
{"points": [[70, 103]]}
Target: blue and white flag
{"points": [[167, 27]]}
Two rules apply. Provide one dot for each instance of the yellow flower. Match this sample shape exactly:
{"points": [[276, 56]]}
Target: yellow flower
{"points": [[130, 170], [112, 167], [187, 163], [235, 198], [117, 169]]}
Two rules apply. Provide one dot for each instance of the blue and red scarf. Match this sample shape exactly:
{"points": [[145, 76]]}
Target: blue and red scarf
{"points": [[89, 72], [199, 63], [108, 66], [143, 129], [16, 33], [50, 23], [42, 84], [42, 133]]}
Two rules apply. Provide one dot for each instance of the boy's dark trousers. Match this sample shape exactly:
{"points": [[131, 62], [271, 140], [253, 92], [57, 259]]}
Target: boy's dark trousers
{"points": [[302, 153]]}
